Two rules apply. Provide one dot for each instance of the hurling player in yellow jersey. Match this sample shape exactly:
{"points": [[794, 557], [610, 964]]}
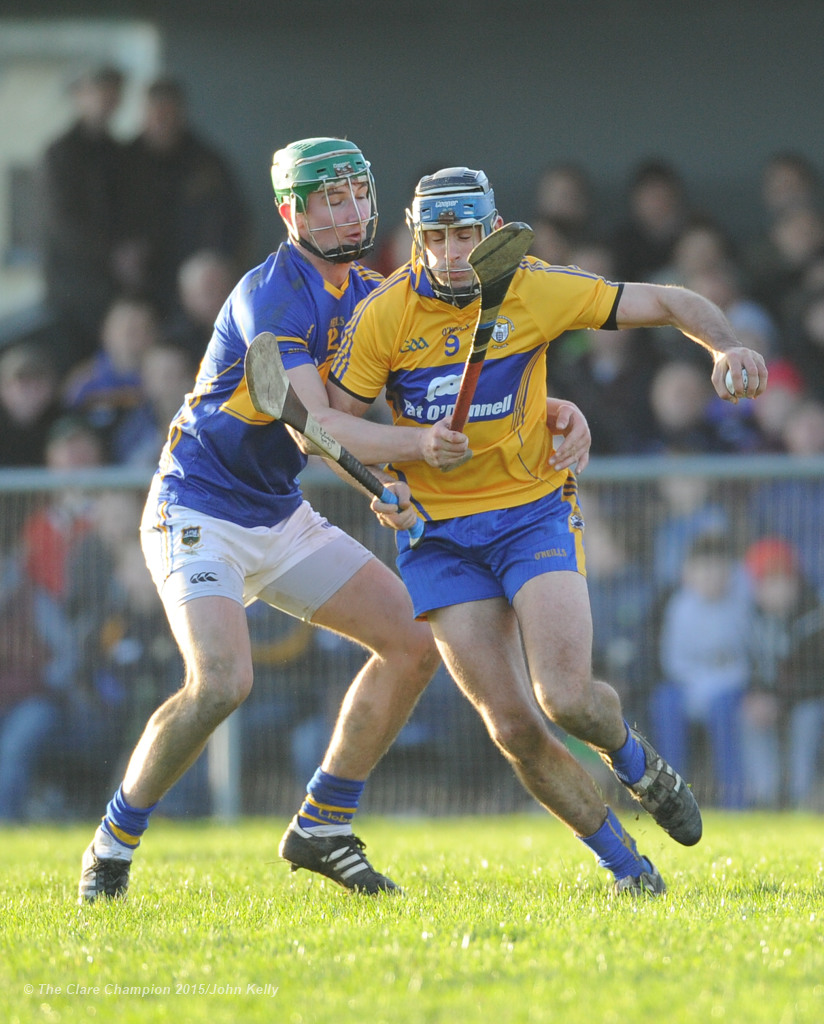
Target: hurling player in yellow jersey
{"points": [[226, 524], [500, 573]]}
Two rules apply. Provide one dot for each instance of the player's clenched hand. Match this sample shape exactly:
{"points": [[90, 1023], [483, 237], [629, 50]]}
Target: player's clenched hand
{"points": [[566, 418], [401, 516], [443, 447], [740, 364]]}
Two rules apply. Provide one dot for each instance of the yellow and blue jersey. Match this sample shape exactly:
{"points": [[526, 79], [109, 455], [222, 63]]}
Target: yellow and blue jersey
{"points": [[223, 457], [416, 345]]}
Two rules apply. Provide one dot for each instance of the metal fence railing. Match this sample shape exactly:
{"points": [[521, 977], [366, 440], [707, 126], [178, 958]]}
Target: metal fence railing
{"points": [[83, 632]]}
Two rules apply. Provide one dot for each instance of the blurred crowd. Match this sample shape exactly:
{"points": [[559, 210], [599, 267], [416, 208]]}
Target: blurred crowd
{"points": [[710, 620]]}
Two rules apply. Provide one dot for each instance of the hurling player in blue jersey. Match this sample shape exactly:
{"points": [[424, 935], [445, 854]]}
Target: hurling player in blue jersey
{"points": [[225, 524], [500, 573]]}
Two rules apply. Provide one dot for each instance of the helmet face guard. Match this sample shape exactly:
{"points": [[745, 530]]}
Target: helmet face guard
{"points": [[320, 165], [454, 197]]}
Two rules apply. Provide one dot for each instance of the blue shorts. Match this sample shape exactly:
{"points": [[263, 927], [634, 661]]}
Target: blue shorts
{"points": [[492, 554]]}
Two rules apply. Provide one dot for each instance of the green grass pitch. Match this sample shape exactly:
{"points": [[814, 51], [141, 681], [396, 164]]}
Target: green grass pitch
{"points": [[504, 920]]}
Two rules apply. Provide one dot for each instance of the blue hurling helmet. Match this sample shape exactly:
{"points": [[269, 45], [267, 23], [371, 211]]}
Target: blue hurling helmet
{"points": [[451, 197]]}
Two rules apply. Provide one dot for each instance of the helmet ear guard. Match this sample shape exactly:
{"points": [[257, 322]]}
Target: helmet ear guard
{"points": [[314, 165], [450, 198]]}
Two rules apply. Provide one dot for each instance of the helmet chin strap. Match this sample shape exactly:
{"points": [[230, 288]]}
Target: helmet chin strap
{"points": [[342, 254]]}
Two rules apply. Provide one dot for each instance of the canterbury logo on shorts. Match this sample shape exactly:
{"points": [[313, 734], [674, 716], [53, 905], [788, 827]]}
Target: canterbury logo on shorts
{"points": [[203, 577]]}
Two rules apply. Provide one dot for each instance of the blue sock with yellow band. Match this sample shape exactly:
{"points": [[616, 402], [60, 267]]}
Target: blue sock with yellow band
{"points": [[629, 761], [615, 849], [330, 800], [124, 823]]}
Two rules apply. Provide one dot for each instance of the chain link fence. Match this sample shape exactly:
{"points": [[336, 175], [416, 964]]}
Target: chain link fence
{"points": [[85, 647]]}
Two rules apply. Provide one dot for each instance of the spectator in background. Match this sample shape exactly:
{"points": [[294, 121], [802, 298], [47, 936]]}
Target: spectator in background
{"points": [[688, 510], [109, 385], [680, 396], [183, 196], [82, 205], [783, 720], [658, 210], [563, 195], [301, 678], [551, 243], [789, 181], [167, 373], [736, 425], [702, 245], [773, 410], [56, 719], [75, 610], [779, 271], [789, 178], [704, 665], [28, 708], [793, 508], [595, 257], [803, 343], [699, 248], [204, 281], [722, 282], [29, 403], [621, 594], [134, 666], [47, 537], [610, 373], [563, 212], [90, 559]]}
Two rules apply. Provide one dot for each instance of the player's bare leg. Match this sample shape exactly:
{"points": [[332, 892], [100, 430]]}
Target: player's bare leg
{"points": [[374, 609], [481, 645], [554, 614], [214, 641], [556, 625]]}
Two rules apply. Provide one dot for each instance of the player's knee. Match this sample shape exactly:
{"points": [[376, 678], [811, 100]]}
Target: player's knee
{"points": [[414, 653], [220, 683], [429, 658], [520, 736], [574, 711]]}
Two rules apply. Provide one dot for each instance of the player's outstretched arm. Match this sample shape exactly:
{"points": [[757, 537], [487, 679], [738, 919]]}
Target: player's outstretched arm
{"points": [[655, 305]]}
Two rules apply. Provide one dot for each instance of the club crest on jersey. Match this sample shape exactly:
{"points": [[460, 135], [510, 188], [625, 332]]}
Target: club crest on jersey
{"points": [[190, 536], [501, 331]]}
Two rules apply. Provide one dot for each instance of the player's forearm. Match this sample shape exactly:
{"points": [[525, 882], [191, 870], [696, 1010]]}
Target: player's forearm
{"points": [[373, 443], [700, 320], [648, 305]]}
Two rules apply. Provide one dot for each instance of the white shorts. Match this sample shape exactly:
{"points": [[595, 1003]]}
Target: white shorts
{"points": [[296, 565]]}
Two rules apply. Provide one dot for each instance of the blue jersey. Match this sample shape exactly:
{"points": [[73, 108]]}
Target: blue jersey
{"points": [[222, 456]]}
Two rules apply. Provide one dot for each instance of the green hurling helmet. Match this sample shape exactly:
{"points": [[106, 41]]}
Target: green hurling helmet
{"points": [[316, 165]]}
